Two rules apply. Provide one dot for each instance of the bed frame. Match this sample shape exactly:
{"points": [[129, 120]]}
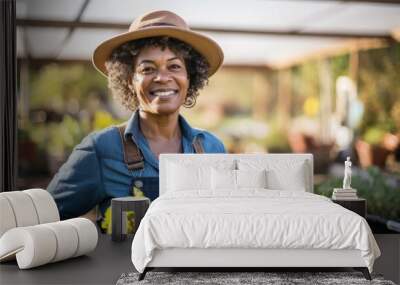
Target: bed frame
{"points": [[251, 258], [243, 259]]}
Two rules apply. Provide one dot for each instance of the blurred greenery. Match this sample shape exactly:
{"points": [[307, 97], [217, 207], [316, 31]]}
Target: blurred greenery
{"points": [[240, 105], [305, 84], [379, 87], [374, 135], [395, 113], [276, 139], [339, 65], [383, 198], [103, 120], [64, 88], [66, 103], [58, 138]]}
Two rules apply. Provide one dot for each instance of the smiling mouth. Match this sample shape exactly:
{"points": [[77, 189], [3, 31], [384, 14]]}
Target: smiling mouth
{"points": [[164, 93]]}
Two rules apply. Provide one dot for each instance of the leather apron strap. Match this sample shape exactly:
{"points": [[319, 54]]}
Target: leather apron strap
{"points": [[197, 146], [133, 158]]}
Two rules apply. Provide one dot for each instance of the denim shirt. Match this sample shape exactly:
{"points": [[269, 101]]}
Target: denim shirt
{"points": [[95, 171]]}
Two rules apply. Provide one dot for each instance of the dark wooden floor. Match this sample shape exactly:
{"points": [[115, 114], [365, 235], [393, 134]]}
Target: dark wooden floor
{"points": [[102, 266]]}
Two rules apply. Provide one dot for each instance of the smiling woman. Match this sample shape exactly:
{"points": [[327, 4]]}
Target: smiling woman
{"points": [[124, 59], [160, 81], [155, 68]]}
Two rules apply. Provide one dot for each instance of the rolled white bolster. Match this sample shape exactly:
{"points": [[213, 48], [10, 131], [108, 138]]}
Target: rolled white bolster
{"points": [[23, 208], [46, 208], [7, 217], [40, 244], [33, 246], [67, 240], [87, 235]]}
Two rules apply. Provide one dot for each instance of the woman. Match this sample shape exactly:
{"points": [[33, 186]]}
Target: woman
{"points": [[153, 69]]}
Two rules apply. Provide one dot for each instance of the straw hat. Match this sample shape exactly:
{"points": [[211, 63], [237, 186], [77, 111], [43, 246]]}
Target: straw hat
{"points": [[161, 23]]}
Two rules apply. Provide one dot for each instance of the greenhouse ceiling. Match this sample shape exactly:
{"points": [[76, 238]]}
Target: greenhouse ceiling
{"points": [[268, 33]]}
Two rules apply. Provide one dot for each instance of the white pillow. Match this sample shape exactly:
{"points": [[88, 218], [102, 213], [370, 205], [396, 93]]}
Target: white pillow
{"points": [[282, 174], [296, 181], [251, 178], [182, 177], [223, 179]]}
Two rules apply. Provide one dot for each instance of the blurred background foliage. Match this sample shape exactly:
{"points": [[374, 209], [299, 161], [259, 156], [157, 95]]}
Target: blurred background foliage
{"points": [[250, 109], [379, 190], [380, 90]]}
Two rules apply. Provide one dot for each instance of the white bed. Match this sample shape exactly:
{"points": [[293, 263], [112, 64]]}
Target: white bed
{"points": [[247, 210]]}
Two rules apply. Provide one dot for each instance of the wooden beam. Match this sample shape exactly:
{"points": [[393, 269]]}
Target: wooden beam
{"points": [[264, 32], [325, 107], [70, 24], [296, 33], [334, 50], [49, 60], [340, 48], [259, 67], [284, 100]]}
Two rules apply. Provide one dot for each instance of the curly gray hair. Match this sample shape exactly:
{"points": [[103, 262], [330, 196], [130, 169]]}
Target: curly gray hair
{"points": [[120, 68]]}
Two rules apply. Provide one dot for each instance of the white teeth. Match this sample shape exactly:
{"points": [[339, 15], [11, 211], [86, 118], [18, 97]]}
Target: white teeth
{"points": [[163, 93]]}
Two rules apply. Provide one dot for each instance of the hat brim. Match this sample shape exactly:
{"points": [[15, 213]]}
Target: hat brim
{"points": [[202, 44]]}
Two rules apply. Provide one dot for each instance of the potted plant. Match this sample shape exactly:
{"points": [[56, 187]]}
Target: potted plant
{"points": [[370, 149]]}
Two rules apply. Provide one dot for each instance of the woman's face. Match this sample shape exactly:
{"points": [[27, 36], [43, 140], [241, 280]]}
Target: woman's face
{"points": [[160, 80]]}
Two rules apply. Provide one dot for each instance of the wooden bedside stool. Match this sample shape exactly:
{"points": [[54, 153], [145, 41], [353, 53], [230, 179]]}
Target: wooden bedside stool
{"points": [[358, 205]]}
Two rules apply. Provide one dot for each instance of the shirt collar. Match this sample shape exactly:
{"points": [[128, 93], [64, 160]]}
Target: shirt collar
{"points": [[133, 129]]}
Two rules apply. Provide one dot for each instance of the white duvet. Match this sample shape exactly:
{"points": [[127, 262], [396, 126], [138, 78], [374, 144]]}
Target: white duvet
{"points": [[252, 218]]}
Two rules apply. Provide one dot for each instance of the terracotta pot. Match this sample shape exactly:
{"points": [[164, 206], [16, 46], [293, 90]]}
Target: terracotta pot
{"points": [[298, 142], [323, 153], [369, 154], [391, 142]]}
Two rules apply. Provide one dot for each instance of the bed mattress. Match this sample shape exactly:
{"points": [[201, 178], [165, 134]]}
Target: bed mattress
{"points": [[251, 219]]}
